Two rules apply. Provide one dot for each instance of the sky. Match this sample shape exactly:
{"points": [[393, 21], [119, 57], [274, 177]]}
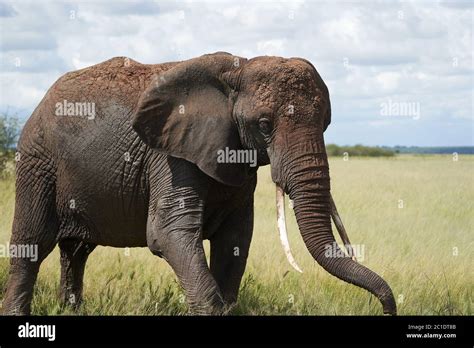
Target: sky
{"points": [[398, 72]]}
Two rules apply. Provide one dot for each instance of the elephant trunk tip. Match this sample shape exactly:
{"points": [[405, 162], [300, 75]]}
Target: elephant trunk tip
{"points": [[388, 304]]}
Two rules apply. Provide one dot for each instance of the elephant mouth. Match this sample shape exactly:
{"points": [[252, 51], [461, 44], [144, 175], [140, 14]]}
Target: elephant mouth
{"points": [[281, 222]]}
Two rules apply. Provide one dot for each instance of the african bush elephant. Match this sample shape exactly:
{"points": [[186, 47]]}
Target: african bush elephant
{"points": [[125, 154]]}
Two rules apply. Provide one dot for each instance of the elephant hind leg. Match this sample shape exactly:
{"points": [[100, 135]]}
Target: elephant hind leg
{"points": [[34, 232], [74, 254]]}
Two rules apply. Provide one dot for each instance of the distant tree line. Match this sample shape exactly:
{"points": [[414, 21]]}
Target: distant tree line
{"points": [[359, 150], [464, 150], [9, 132]]}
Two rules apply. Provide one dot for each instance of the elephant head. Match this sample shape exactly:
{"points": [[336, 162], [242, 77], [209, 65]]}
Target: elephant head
{"points": [[278, 108]]}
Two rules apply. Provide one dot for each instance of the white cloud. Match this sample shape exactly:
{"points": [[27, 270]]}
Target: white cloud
{"points": [[388, 80], [271, 47]]}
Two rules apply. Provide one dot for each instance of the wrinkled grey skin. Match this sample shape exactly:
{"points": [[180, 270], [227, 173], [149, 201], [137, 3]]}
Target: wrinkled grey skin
{"points": [[144, 171]]}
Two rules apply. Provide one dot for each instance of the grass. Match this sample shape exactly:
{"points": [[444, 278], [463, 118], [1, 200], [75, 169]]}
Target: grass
{"points": [[424, 250]]}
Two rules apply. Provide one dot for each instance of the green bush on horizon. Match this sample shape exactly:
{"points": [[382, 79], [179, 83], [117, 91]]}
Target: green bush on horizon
{"points": [[358, 150], [9, 132]]}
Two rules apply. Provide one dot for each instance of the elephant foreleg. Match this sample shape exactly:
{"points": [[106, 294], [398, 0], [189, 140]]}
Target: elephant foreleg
{"points": [[230, 249], [74, 254], [184, 252], [175, 233]]}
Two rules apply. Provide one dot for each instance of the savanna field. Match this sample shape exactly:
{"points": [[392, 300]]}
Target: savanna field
{"points": [[414, 215]]}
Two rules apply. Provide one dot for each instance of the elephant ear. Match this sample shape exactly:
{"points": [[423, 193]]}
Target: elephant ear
{"points": [[186, 112]]}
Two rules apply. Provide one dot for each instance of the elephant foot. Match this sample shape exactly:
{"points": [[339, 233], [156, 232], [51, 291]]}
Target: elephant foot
{"points": [[216, 307], [14, 310]]}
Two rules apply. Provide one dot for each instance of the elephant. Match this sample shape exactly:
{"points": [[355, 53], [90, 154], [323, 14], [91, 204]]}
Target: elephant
{"points": [[125, 154]]}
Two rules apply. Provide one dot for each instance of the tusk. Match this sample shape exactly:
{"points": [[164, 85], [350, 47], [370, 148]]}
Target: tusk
{"points": [[340, 228], [280, 202]]}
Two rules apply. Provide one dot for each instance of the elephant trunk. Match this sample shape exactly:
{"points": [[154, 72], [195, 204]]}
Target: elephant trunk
{"points": [[308, 184]]}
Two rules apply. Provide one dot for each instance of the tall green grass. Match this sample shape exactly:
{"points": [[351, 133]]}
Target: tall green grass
{"points": [[413, 214]]}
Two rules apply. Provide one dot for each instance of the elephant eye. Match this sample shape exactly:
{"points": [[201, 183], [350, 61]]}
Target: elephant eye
{"points": [[264, 125]]}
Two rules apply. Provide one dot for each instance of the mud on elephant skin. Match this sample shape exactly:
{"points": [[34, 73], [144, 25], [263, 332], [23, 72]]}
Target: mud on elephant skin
{"points": [[140, 169]]}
